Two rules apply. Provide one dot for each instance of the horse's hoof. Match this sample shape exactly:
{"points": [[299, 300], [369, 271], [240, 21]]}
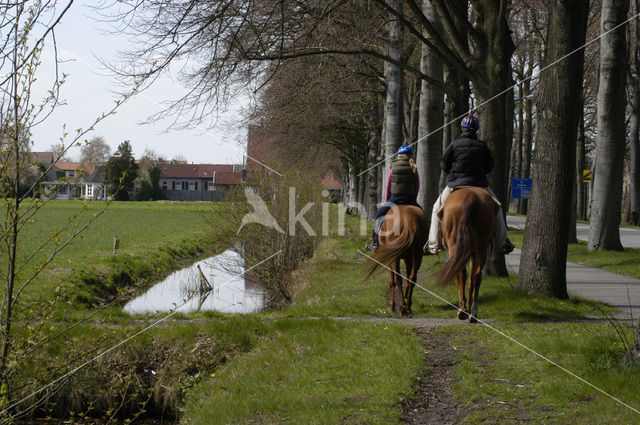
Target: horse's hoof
{"points": [[462, 315], [472, 319], [407, 313]]}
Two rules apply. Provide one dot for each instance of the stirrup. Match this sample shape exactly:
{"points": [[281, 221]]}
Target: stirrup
{"points": [[430, 251], [371, 246]]}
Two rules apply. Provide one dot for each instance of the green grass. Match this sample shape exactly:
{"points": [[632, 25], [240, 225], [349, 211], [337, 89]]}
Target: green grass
{"points": [[157, 366], [296, 365], [313, 372], [512, 385], [624, 263], [332, 286], [155, 238], [139, 226]]}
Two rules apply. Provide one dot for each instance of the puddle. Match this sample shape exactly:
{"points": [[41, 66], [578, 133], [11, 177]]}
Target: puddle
{"points": [[232, 291]]}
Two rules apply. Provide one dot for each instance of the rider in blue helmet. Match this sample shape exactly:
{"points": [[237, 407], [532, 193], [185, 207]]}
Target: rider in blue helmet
{"points": [[403, 183], [467, 161]]}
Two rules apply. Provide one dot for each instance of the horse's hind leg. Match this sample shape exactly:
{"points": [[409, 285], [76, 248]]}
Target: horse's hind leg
{"points": [[461, 279], [413, 264], [474, 287], [392, 284], [396, 303]]}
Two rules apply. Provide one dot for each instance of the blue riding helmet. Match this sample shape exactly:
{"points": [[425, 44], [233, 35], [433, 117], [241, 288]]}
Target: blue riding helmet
{"points": [[405, 149], [471, 123]]}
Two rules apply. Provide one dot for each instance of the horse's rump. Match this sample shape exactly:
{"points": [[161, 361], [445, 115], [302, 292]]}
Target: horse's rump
{"points": [[403, 230], [468, 224]]}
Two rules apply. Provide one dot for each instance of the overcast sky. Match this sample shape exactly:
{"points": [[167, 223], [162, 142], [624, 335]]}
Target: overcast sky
{"points": [[89, 91]]}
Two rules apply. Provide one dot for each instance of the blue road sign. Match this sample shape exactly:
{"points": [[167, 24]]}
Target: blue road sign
{"points": [[520, 188]]}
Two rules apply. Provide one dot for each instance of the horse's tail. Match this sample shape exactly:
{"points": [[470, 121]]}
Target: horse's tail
{"points": [[410, 228], [466, 233]]}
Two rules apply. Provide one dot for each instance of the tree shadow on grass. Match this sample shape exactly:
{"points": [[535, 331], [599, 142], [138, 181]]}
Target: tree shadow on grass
{"points": [[547, 314]]}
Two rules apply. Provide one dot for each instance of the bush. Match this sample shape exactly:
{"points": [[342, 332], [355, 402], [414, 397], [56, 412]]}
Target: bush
{"points": [[266, 218]]}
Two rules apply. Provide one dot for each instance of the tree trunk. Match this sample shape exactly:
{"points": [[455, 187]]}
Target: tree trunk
{"points": [[393, 104], [544, 252], [634, 136], [634, 163], [581, 213], [494, 132], [374, 148], [572, 231], [413, 116], [516, 151], [490, 85], [430, 121], [457, 105], [509, 119], [456, 88], [528, 137], [606, 205]]}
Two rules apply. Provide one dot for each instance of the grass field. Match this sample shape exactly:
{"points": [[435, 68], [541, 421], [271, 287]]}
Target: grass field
{"points": [[298, 365], [155, 238]]}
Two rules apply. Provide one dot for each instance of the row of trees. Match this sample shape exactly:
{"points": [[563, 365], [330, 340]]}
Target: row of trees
{"points": [[349, 81], [355, 79]]}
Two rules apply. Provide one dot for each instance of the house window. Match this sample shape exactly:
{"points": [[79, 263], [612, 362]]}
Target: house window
{"points": [[192, 185], [178, 186], [89, 193], [211, 186], [165, 185]]}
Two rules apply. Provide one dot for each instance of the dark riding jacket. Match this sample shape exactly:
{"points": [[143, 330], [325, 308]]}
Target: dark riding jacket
{"points": [[403, 179], [467, 161], [402, 183]]}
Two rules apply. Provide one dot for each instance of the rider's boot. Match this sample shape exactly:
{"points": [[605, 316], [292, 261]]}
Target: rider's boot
{"points": [[508, 247], [373, 244]]}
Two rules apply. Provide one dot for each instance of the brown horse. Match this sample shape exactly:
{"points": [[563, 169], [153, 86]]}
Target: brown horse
{"points": [[468, 224], [402, 235]]}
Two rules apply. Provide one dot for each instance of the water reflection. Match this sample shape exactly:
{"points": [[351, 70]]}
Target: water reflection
{"points": [[187, 290]]}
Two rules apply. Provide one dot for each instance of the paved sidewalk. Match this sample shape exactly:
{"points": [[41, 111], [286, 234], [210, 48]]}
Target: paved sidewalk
{"points": [[618, 291]]}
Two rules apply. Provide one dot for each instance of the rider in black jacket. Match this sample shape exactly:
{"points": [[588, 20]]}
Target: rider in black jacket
{"points": [[467, 161]]}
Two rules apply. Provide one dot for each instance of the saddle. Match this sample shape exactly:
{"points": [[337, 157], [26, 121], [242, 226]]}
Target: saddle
{"points": [[498, 204]]}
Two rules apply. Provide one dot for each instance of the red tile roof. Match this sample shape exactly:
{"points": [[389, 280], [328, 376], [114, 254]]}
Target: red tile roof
{"points": [[223, 172], [330, 181], [68, 166], [73, 166]]}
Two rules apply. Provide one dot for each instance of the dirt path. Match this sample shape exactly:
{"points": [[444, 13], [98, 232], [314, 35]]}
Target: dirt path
{"points": [[433, 402]]}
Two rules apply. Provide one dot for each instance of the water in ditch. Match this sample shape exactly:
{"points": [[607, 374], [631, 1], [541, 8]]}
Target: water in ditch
{"points": [[218, 284]]}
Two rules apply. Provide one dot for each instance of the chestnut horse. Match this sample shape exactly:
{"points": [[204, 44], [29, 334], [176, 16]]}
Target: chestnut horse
{"points": [[468, 224], [402, 235]]}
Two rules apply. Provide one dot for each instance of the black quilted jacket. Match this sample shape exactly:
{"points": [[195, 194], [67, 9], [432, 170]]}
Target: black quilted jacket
{"points": [[467, 161]]}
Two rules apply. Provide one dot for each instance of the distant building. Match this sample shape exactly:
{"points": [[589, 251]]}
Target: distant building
{"points": [[180, 181], [331, 183], [199, 182], [258, 154], [69, 180]]}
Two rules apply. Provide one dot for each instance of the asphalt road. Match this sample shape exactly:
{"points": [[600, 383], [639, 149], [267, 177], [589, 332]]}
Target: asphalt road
{"points": [[586, 282], [630, 238]]}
